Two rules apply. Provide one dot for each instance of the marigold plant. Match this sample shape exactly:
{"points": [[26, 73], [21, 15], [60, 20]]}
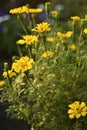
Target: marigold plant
{"points": [[46, 84]]}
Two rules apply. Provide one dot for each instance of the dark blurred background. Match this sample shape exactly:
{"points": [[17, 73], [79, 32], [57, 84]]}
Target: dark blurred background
{"points": [[9, 28]]}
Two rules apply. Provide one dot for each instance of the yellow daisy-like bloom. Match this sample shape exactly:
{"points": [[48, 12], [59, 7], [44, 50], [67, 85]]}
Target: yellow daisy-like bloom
{"points": [[2, 83], [24, 9], [54, 13], [16, 10], [42, 28], [47, 54], [50, 39], [65, 36], [19, 10], [9, 73], [35, 11], [21, 41], [29, 39], [77, 110], [23, 64], [72, 47], [76, 18], [85, 30]]}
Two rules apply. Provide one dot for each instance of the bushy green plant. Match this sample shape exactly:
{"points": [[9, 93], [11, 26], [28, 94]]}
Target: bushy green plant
{"points": [[46, 85]]}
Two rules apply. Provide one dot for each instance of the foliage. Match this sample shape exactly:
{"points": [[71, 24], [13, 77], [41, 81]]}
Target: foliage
{"points": [[49, 75]]}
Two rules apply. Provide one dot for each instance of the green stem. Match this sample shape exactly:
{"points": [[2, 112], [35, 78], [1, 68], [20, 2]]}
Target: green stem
{"points": [[73, 28], [8, 81], [33, 20], [44, 42], [29, 50], [29, 82], [80, 36], [7, 77], [22, 24], [19, 50], [76, 126], [30, 23], [36, 51], [47, 16]]}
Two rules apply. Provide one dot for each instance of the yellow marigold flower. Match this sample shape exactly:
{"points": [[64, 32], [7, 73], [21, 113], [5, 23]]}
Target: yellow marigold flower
{"points": [[10, 73], [16, 10], [47, 54], [72, 47], [2, 83], [20, 10], [65, 36], [23, 64], [42, 28], [21, 41], [85, 30], [77, 110], [24, 9], [50, 39], [29, 39], [35, 11], [54, 13], [76, 18]]}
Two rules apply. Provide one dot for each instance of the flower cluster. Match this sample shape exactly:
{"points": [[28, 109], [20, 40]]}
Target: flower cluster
{"points": [[48, 73]]}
